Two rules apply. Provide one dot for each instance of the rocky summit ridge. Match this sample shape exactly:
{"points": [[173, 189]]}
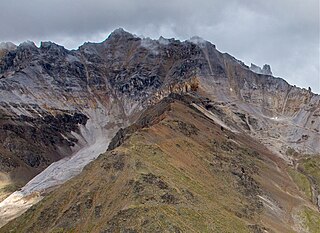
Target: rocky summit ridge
{"points": [[60, 109]]}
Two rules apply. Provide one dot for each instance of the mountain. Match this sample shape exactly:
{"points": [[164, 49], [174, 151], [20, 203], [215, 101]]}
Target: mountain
{"points": [[184, 125]]}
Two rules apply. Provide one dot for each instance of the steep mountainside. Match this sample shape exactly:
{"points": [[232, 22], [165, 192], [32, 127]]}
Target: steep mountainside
{"points": [[59, 109], [176, 170]]}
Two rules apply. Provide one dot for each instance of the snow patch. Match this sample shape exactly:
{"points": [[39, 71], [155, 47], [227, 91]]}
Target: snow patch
{"points": [[15, 205]]}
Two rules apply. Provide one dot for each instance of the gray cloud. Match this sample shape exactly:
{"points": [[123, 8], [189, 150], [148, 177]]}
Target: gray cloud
{"points": [[282, 33]]}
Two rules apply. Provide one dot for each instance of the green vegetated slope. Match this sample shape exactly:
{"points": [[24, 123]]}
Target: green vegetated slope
{"points": [[311, 167], [308, 171], [176, 171], [302, 182]]}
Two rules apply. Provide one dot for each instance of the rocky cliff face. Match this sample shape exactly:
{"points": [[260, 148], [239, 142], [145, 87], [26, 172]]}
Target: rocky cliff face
{"points": [[56, 103]]}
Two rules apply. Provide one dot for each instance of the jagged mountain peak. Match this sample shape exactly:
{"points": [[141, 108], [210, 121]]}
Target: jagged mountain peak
{"points": [[48, 44], [53, 49], [120, 33], [266, 69], [27, 44]]}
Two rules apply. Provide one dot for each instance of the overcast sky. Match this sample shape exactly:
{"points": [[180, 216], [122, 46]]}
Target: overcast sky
{"points": [[282, 33]]}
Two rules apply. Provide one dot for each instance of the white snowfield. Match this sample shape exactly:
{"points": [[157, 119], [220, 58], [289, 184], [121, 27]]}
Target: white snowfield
{"points": [[15, 205], [97, 140]]}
